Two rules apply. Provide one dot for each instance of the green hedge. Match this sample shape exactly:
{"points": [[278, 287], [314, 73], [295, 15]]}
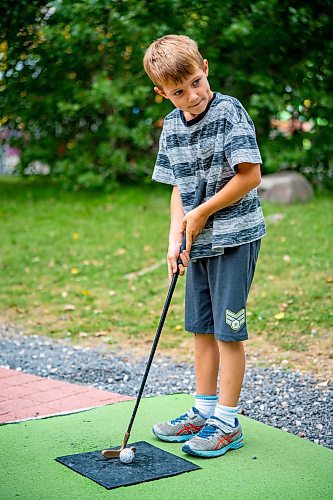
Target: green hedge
{"points": [[72, 83]]}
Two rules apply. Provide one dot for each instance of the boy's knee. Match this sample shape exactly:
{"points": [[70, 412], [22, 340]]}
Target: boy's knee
{"points": [[232, 344]]}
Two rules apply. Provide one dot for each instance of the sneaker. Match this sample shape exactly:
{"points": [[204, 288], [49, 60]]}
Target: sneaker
{"points": [[181, 428], [215, 439]]}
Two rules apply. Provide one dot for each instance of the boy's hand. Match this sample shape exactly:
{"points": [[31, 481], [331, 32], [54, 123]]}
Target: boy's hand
{"points": [[193, 223], [173, 254]]}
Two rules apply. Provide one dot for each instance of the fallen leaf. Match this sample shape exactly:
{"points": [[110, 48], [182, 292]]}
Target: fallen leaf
{"points": [[83, 334], [120, 251], [100, 334], [75, 236], [323, 384], [279, 315], [286, 258], [69, 307], [51, 263], [74, 271], [86, 292], [108, 207], [329, 279], [64, 294], [112, 293], [178, 328]]}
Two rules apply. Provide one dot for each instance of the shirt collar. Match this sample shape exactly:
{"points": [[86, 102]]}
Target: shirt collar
{"points": [[199, 117]]}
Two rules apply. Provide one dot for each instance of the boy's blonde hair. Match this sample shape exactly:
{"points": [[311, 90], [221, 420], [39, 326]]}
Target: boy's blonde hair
{"points": [[172, 58]]}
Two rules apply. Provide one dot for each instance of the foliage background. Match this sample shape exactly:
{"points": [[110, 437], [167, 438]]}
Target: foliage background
{"points": [[74, 94]]}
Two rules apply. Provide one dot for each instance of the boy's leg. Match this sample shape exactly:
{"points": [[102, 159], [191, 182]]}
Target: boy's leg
{"points": [[199, 320], [232, 362], [222, 432], [230, 277], [182, 428], [206, 358]]}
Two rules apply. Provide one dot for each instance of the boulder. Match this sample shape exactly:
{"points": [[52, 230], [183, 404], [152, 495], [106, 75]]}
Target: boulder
{"points": [[285, 187]]}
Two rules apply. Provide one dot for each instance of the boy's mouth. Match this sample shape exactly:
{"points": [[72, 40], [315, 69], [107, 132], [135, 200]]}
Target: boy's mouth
{"points": [[196, 105]]}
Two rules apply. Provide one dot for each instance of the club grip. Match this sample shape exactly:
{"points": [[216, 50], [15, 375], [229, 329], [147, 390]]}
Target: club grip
{"points": [[199, 197]]}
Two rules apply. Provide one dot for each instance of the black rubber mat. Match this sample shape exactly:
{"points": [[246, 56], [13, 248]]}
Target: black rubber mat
{"points": [[150, 463]]}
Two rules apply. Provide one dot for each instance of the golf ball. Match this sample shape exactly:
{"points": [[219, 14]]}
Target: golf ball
{"points": [[126, 456]]}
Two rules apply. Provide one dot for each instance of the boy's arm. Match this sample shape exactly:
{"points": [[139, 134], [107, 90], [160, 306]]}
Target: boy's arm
{"points": [[176, 233], [248, 177]]}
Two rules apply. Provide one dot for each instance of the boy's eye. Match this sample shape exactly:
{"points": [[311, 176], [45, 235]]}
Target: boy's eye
{"points": [[196, 82], [179, 92]]}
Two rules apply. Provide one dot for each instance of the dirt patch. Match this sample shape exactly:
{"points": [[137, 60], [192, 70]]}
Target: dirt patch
{"points": [[260, 352]]}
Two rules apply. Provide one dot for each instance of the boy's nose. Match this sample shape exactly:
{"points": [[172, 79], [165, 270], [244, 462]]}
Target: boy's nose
{"points": [[193, 98]]}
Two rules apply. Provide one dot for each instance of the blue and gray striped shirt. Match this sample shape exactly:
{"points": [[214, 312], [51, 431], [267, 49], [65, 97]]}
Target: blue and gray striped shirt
{"points": [[210, 146]]}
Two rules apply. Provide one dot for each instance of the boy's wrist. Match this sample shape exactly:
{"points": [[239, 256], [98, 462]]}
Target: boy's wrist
{"points": [[175, 238], [206, 209]]}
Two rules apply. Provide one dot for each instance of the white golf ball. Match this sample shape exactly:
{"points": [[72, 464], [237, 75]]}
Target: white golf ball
{"points": [[126, 456]]}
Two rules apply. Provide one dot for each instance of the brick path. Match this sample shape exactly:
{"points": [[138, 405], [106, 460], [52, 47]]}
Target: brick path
{"points": [[24, 396]]}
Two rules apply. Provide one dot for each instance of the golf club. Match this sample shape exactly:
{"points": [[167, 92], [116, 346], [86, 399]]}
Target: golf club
{"points": [[199, 196]]}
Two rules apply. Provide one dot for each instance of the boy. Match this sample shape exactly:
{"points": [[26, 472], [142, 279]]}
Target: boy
{"points": [[211, 136]]}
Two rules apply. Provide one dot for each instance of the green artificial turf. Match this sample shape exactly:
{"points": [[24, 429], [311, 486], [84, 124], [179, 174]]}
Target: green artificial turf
{"points": [[272, 465]]}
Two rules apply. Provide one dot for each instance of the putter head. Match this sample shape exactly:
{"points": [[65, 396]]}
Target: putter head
{"points": [[116, 453]]}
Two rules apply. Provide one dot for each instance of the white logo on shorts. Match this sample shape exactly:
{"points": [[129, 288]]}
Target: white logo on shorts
{"points": [[235, 320]]}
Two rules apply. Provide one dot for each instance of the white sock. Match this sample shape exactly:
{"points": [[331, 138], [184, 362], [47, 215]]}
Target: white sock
{"points": [[226, 413], [205, 404]]}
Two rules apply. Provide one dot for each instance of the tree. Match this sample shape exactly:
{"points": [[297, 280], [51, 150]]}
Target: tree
{"points": [[72, 80]]}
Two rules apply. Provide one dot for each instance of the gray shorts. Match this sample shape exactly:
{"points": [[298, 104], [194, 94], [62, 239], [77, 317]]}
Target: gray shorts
{"points": [[216, 292]]}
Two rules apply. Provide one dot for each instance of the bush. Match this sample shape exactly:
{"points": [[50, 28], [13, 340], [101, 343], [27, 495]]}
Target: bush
{"points": [[73, 85]]}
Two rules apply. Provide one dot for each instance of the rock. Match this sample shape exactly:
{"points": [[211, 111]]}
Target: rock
{"points": [[285, 187]]}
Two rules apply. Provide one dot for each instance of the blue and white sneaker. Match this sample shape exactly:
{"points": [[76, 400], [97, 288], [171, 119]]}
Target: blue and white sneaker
{"points": [[181, 428], [215, 439]]}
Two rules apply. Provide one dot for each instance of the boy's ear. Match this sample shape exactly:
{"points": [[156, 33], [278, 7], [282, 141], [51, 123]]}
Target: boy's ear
{"points": [[161, 92], [206, 67]]}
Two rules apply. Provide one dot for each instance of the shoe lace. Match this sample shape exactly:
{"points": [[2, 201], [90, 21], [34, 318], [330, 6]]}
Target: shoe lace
{"points": [[179, 419], [188, 414], [207, 431]]}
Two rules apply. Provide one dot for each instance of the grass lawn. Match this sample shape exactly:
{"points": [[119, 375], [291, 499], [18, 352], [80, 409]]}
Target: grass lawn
{"points": [[66, 257]]}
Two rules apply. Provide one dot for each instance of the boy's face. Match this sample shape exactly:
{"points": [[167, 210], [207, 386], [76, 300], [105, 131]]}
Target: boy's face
{"points": [[192, 95]]}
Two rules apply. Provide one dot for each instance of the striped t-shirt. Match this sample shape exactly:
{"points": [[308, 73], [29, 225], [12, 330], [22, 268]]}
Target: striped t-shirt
{"points": [[210, 146]]}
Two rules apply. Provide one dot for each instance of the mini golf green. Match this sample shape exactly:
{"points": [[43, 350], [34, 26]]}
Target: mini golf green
{"points": [[273, 464]]}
